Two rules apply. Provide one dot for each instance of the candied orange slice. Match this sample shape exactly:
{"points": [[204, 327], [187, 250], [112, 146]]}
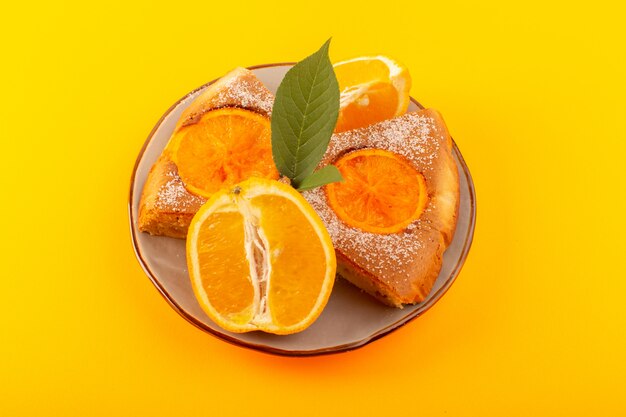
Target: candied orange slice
{"points": [[224, 147], [381, 192], [260, 258], [372, 89]]}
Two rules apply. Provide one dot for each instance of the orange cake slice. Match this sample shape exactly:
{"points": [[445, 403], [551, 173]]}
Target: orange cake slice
{"points": [[395, 213], [167, 205]]}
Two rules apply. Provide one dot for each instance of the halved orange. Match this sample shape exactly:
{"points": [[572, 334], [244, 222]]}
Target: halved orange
{"points": [[260, 258], [224, 147], [372, 89], [381, 191]]}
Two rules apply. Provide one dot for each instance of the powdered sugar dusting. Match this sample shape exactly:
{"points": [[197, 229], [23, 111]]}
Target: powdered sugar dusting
{"points": [[173, 196], [414, 136], [381, 253], [246, 92], [239, 88]]}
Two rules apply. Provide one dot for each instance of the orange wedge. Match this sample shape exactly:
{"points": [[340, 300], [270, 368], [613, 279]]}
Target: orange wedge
{"points": [[260, 258], [223, 148], [372, 89], [381, 191]]}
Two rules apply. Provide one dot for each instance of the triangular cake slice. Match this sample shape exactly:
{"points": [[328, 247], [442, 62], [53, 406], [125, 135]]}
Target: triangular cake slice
{"points": [[398, 268], [166, 207]]}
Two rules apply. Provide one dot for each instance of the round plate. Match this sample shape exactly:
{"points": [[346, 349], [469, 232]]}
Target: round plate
{"points": [[351, 318]]}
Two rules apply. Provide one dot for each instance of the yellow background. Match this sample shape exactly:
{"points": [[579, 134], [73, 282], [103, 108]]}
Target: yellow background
{"points": [[532, 92]]}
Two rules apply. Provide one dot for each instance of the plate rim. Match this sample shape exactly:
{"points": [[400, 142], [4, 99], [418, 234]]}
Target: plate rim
{"points": [[286, 352]]}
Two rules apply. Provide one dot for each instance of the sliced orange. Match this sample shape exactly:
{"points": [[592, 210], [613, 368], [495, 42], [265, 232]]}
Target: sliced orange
{"points": [[381, 191], [260, 258], [225, 147], [372, 89]]}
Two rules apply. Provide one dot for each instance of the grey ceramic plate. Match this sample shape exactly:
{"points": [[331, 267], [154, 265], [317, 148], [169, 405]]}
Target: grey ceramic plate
{"points": [[351, 318]]}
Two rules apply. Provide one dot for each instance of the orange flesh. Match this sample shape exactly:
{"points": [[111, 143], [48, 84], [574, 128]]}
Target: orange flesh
{"points": [[224, 268], [381, 192], [360, 72], [379, 102], [372, 89], [223, 148], [297, 258]]}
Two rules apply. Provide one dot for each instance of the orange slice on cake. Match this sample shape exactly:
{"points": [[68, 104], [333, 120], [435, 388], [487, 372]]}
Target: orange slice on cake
{"points": [[381, 191], [225, 147]]}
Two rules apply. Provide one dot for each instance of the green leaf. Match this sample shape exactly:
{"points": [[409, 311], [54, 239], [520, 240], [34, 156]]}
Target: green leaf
{"points": [[304, 116], [322, 176]]}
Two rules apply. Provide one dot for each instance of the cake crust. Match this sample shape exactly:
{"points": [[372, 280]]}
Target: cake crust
{"points": [[166, 207]]}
